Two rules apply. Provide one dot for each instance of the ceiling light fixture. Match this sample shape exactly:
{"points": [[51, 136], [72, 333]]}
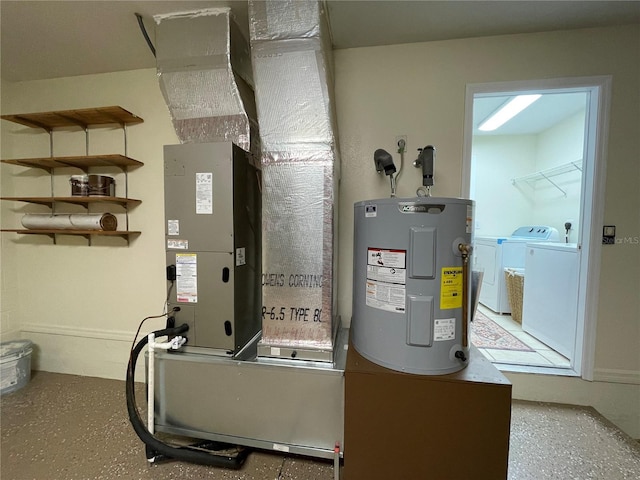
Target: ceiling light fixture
{"points": [[507, 112]]}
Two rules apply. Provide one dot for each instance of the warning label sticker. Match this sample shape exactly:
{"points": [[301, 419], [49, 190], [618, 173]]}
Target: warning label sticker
{"points": [[385, 296], [451, 288], [187, 277], [387, 258], [444, 329]]}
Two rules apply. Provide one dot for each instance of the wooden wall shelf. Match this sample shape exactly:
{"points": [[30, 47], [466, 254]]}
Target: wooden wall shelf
{"points": [[78, 118], [127, 235], [49, 201], [82, 162]]}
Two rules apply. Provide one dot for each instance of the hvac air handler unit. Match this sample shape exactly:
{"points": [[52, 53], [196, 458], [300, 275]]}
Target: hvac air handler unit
{"points": [[212, 210]]}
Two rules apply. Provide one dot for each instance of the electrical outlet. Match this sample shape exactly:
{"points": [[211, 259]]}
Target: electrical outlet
{"points": [[401, 143]]}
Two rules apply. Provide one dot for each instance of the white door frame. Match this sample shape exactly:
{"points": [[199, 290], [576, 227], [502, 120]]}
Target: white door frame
{"points": [[593, 181]]}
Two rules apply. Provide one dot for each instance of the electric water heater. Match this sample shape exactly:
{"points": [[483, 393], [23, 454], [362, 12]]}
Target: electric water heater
{"points": [[412, 283]]}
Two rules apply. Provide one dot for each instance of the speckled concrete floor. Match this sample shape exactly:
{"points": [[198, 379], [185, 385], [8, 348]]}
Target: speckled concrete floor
{"points": [[62, 427]]}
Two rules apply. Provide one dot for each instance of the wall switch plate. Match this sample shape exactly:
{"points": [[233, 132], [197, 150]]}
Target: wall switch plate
{"points": [[609, 234]]}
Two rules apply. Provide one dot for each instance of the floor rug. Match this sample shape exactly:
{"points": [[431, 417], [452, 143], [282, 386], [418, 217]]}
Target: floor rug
{"points": [[485, 333]]}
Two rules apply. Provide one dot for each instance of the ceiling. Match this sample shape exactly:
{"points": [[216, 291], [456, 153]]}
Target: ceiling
{"points": [[51, 39]]}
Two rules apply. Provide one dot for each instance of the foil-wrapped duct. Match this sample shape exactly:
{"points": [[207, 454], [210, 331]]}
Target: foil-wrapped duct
{"points": [[293, 91], [298, 231], [284, 19], [204, 68], [292, 68]]}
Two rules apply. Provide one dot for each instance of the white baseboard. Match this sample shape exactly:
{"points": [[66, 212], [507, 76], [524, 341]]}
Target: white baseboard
{"points": [[94, 333], [611, 375], [81, 351]]}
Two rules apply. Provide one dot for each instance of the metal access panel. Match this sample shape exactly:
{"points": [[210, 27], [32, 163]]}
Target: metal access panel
{"points": [[212, 234], [289, 406]]}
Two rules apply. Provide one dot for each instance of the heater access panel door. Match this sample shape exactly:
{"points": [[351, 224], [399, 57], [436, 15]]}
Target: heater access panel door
{"points": [[198, 197]]}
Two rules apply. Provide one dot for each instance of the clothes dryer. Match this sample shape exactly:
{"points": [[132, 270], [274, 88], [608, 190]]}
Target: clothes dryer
{"points": [[493, 254]]}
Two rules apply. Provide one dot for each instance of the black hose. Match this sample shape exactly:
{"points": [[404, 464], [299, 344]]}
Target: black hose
{"points": [[144, 33], [183, 454]]}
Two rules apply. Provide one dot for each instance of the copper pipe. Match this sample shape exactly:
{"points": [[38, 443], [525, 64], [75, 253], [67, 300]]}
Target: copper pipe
{"points": [[465, 250]]}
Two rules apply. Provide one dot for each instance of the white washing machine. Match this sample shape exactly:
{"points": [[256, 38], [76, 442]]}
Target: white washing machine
{"points": [[493, 254], [550, 305]]}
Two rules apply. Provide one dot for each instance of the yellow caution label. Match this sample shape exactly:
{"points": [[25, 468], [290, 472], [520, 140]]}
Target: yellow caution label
{"points": [[451, 288]]}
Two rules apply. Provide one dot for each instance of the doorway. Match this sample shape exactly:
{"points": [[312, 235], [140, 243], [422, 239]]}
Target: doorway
{"points": [[541, 171]]}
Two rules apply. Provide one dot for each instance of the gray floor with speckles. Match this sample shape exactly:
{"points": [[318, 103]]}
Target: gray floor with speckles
{"points": [[61, 427]]}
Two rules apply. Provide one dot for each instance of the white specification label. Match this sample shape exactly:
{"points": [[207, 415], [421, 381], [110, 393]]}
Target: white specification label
{"points": [[241, 258], [469, 218], [370, 211], [444, 329], [204, 193], [175, 244], [385, 296], [187, 277], [173, 227]]}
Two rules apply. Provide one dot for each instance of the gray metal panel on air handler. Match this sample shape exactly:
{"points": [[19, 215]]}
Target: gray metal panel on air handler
{"points": [[218, 222], [290, 406]]}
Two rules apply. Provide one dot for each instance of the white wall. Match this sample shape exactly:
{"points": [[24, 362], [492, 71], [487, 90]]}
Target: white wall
{"points": [[500, 206], [81, 305], [557, 146]]}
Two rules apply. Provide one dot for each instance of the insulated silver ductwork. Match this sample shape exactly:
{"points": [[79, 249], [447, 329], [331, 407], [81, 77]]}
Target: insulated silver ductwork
{"points": [[293, 85], [204, 68]]}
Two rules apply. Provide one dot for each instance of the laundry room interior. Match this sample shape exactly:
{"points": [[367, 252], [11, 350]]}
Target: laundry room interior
{"points": [[526, 179]]}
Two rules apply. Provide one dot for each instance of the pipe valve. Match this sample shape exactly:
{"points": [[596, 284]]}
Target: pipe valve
{"points": [[425, 160], [465, 249]]}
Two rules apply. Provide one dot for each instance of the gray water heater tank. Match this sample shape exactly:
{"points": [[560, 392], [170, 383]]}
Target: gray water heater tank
{"points": [[408, 283]]}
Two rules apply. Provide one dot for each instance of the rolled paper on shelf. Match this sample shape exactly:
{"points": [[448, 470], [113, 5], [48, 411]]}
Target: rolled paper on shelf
{"points": [[45, 221], [90, 221]]}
